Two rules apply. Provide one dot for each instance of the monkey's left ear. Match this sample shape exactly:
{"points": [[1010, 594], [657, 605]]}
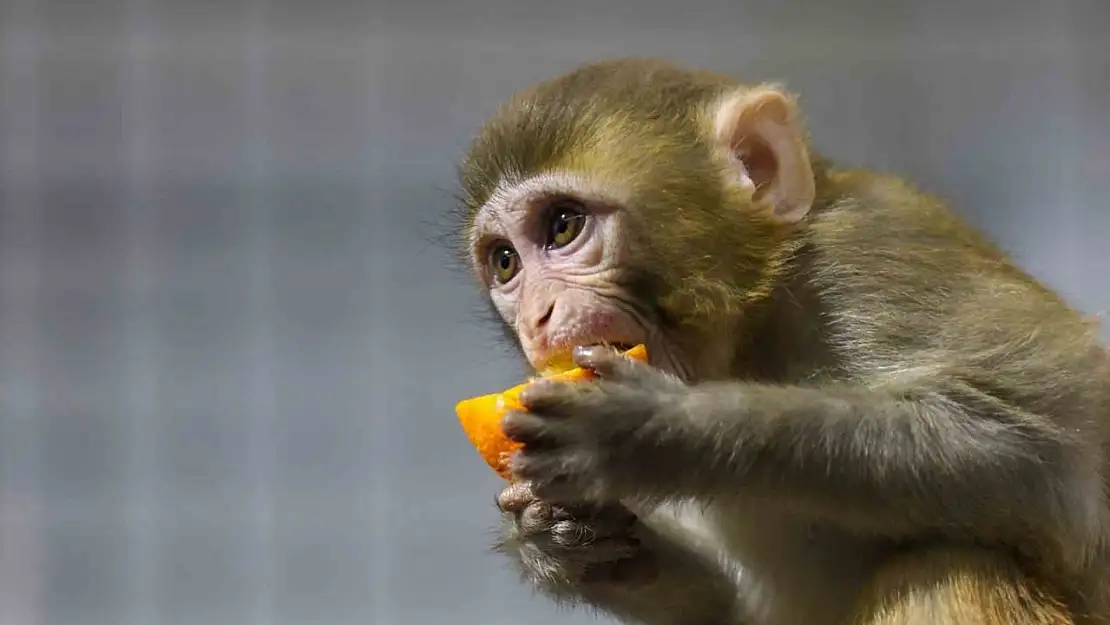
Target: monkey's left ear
{"points": [[760, 131]]}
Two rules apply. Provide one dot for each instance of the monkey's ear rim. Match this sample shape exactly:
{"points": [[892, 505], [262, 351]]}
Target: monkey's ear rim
{"points": [[759, 130]]}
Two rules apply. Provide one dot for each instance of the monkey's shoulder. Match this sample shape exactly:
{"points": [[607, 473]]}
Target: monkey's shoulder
{"points": [[903, 279], [870, 215], [880, 234]]}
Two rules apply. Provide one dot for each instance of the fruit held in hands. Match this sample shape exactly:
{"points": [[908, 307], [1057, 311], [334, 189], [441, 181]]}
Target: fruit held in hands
{"points": [[481, 416]]}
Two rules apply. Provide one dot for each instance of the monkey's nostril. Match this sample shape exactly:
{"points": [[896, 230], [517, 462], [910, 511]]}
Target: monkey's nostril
{"points": [[546, 316]]}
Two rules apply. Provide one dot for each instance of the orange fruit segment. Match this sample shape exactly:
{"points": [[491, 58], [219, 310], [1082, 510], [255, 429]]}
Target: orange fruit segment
{"points": [[481, 416]]}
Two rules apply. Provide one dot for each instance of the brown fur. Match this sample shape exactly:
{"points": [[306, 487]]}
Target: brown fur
{"points": [[957, 587], [881, 287], [642, 144]]}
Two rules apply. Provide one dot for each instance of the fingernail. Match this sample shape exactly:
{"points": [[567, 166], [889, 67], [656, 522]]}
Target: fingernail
{"points": [[585, 351], [526, 396]]}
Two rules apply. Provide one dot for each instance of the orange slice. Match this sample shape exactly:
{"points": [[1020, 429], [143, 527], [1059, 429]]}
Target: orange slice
{"points": [[481, 416]]}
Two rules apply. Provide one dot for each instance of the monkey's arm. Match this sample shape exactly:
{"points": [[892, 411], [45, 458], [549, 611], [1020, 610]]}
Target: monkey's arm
{"points": [[937, 455]]}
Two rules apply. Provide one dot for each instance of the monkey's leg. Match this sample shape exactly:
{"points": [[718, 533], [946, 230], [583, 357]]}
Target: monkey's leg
{"points": [[956, 586]]}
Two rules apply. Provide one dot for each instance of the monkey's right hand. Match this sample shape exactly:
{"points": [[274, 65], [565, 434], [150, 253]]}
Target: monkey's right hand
{"points": [[561, 548]]}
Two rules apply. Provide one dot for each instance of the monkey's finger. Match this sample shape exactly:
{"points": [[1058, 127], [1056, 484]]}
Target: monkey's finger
{"points": [[611, 364], [584, 530], [603, 517], [536, 518], [548, 472], [554, 483], [515, 497], [572, 533], [529, 430], [602, 526], [553, 399], [600, 551]]}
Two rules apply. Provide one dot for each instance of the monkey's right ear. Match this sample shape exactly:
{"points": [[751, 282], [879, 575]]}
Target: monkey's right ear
{"points": [[759, 129]]}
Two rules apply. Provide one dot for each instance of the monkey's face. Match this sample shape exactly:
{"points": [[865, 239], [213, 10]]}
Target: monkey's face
{"points": [[628, 203], [591, 257], [553, 258]]}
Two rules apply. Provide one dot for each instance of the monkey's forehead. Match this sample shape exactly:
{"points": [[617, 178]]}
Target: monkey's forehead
{"points": [[618, 148], [594, 119]]}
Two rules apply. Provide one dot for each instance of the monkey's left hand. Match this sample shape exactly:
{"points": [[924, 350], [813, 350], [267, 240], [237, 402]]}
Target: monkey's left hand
{"points": [[597, 440]]}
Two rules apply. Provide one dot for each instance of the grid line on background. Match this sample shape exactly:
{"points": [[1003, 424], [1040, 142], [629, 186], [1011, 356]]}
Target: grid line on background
{"points": [[262, 404], [142, 371], [21, 564]]}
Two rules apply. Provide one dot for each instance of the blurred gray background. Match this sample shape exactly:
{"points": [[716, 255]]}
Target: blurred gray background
{"points": [[228, 353]]}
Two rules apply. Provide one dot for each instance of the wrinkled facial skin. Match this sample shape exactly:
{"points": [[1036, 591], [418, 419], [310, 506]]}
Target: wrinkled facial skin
{"points": [[552, 257]]}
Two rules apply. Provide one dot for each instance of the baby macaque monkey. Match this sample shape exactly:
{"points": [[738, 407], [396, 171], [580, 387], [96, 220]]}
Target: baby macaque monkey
{"points": [[858, 411]]}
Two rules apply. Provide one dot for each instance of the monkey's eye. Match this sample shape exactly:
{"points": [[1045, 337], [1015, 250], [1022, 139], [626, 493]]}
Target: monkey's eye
{"points": [[567, 219], [504, 263]]}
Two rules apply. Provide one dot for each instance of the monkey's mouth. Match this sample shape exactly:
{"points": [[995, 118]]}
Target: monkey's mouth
{"points": [[620, 346], [563, 360], [589, 328]]}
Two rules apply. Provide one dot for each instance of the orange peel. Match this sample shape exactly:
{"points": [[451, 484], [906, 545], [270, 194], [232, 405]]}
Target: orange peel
{"points": [[481, 416]]}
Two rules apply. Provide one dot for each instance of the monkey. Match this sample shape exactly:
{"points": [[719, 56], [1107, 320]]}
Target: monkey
{"points": [[857, 410]]}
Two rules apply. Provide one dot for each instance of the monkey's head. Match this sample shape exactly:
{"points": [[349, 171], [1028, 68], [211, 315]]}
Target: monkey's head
{"points": [[634, 201]]}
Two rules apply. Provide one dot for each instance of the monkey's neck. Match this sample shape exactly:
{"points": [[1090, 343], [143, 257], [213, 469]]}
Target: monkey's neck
{"points": [[783, 338]]}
